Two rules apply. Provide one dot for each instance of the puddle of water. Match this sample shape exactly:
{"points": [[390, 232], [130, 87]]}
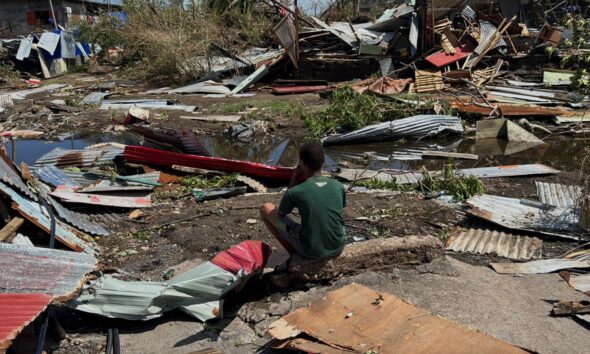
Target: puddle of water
{"points": [[561, 153]]}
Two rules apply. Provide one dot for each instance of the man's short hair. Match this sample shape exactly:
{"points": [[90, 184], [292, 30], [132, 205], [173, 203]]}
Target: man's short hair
{"points": [[312, 154]]}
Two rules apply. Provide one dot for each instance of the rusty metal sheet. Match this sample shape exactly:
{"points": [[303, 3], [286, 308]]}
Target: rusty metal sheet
{"points": [[38, 215], [58, 273], [78, 158], [16, 312], [560, 195], [9, 175], [486, 238], [522, 214], [510, 109], [361, 320], [580, 282]]}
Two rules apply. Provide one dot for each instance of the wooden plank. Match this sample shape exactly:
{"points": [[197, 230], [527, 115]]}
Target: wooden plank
{"points": [[455, 155], [223, 119], [363, 320], [8, 232]]}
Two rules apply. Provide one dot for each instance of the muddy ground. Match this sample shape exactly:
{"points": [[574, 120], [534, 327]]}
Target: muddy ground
{"points": [[460, 287]]}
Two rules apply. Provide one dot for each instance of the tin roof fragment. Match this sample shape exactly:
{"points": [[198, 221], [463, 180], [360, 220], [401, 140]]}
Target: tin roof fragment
{"points": [[58, 273], [521, 214], [485, 238], [16, 312]]}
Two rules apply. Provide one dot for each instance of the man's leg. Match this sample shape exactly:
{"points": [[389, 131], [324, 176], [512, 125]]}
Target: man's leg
{"points": [[270, 215]]}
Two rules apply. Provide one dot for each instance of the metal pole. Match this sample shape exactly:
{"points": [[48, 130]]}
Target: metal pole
{"points": [[13, 142], [53, 14]]}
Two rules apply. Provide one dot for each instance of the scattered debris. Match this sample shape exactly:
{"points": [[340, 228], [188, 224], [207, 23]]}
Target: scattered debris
{"points": [[380, 327]]}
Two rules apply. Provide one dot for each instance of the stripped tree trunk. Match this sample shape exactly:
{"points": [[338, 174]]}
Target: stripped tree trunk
{"points": [[368, 255]]}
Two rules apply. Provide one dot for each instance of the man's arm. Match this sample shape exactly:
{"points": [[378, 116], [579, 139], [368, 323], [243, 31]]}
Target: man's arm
{"points": [[286, 205]]}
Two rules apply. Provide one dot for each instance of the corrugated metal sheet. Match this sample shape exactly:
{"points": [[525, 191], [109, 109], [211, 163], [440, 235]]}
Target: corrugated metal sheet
{"points": [[287, 35], [535, 94], [145, 103], [486, 239], [21, 95], [351, 174], [8, 175], [487, 29], [93, 98], [523, 214], [469, 14], [412, 127], [108, 186], [42, 270], [198, 291], [16, 312], [191, 144], [87, 157], [35, 213], [89, 178], [544, 265], [78, 220], [560, 195], [55, 177], [202, 87]]}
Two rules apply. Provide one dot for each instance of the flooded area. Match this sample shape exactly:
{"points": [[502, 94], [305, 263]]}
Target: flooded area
{"points": [[560, 153]]}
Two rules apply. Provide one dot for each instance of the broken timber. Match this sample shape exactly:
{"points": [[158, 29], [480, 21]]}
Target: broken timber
{"points": [[8, 232], [371, 254]]}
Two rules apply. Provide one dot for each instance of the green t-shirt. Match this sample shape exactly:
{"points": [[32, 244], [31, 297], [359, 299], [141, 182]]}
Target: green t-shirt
{"points": [[320, 201]]}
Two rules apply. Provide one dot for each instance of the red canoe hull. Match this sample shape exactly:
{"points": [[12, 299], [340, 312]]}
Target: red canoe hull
{"points": [[149, 156]]}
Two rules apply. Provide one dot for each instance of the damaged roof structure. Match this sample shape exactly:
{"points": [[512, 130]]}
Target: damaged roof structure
{"points": [[440, 117]]}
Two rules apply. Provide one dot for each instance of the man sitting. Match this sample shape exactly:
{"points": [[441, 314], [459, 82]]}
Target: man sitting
{"points": [[320, 201]]}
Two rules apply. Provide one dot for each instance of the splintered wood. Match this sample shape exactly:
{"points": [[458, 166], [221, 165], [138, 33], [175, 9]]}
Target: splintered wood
{"points": [[428, 81], [361, 320]]}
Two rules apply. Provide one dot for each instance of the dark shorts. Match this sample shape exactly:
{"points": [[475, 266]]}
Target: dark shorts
{"points": [[290, 231]]}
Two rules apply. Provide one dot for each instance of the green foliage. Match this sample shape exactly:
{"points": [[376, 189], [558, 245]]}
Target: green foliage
{"points": [[163, 42], [374, 183], [578, 52], [262, 109], [459, 186], [8, 75], [209, 183], [347, 110]]}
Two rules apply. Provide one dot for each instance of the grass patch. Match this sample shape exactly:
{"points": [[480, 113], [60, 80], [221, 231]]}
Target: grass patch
{"points": [[262, 109], [347, 110], [210, 183], [8, 75], [374, 183], [459, 186]]}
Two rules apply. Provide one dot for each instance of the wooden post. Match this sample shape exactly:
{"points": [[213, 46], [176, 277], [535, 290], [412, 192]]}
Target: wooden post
{"points": [[584, 222]]}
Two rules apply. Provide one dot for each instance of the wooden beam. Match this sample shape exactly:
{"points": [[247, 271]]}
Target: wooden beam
{"points": [[8, 232]]}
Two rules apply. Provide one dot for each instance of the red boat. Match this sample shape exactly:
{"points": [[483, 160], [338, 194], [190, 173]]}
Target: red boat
{"points": [[145, 155]]}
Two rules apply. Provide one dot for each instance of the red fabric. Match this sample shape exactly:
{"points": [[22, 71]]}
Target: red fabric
{"points": [[31, 18], [16, 312], [149, 156], [248, 255]]}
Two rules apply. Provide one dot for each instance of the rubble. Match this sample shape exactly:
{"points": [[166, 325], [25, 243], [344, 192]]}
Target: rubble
{"points": [[413, 101]]}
